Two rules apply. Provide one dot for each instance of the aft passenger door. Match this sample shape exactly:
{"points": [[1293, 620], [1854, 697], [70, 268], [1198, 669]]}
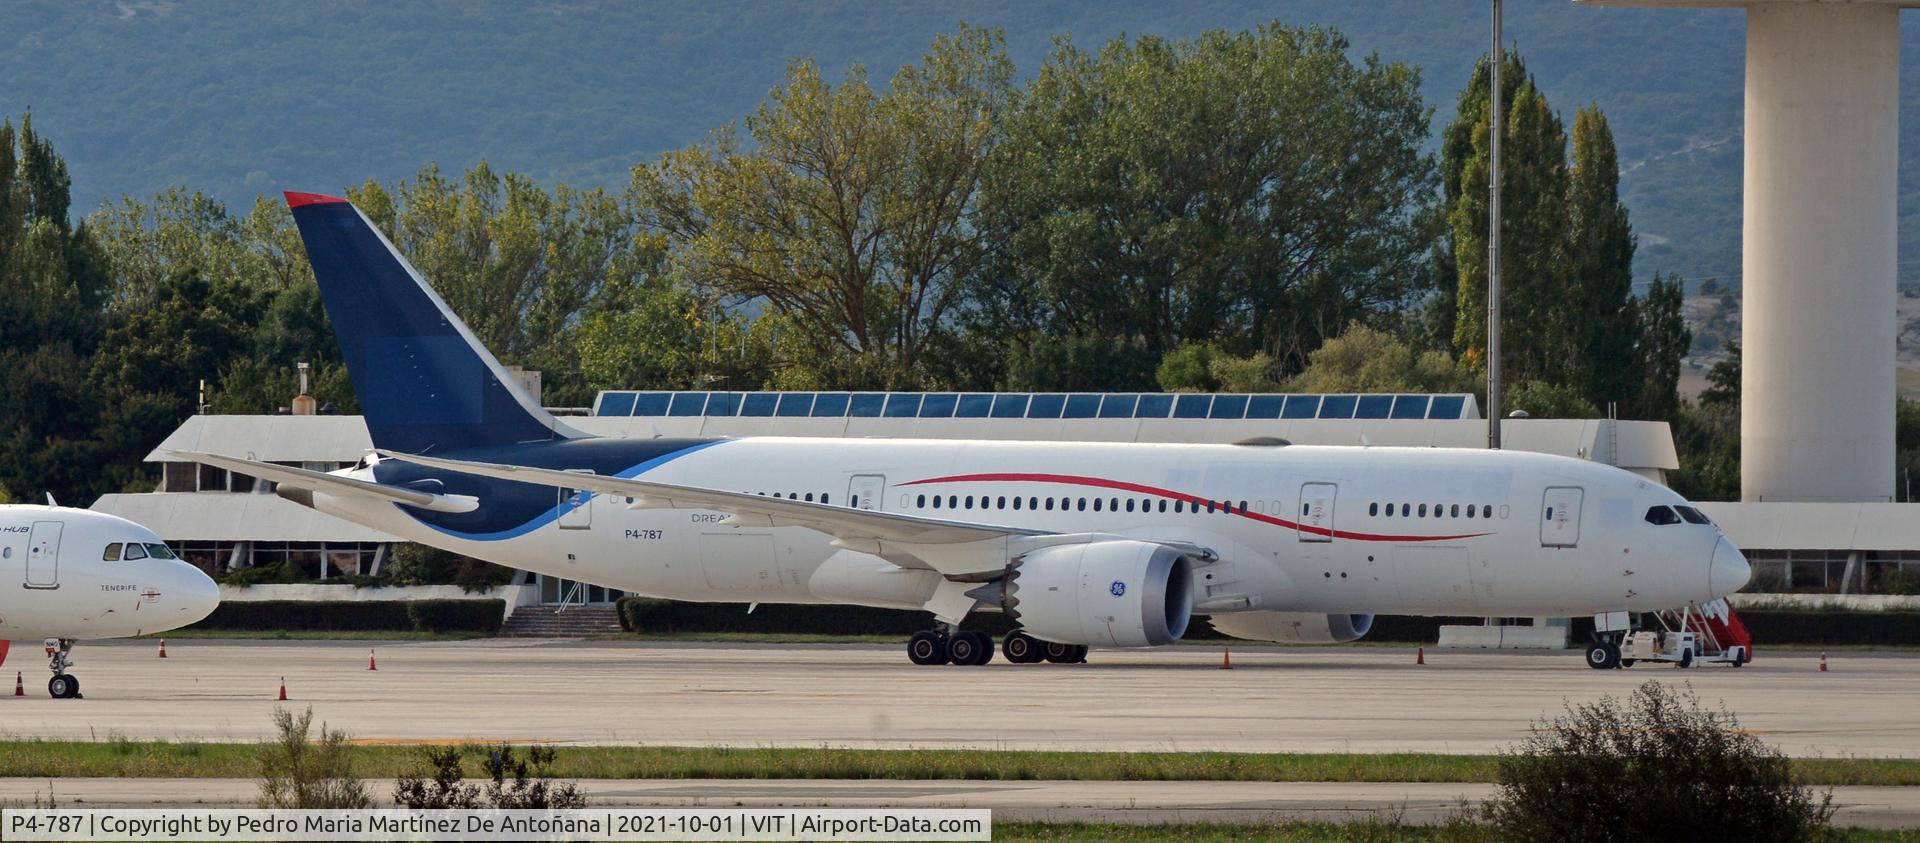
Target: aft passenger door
{"points": [[1316, 512], [576, 505], [865, 490], [43, 555], [1560, 516]]}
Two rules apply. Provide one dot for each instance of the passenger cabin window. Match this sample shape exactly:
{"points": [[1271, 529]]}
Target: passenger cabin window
{"points": [[1662, 516], [112, 553], [135, 551], [1693, 516]]}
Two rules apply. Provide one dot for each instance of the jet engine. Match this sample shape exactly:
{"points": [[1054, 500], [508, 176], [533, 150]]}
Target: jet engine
{"points": [[1114, 593], [1293, 627]]}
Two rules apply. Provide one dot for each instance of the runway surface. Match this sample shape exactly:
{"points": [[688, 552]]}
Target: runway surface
{"points": [[1275, 700], [1048, 801]]}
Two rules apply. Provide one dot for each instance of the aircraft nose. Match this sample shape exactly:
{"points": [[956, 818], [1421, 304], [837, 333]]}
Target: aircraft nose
{"points": [[199, 594], [1729, 571]]}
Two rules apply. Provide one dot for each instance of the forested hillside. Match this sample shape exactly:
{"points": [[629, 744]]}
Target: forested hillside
{"points": [[242, 99]]}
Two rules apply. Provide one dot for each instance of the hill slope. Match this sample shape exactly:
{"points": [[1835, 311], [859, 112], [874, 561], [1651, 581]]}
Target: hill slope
{"points": [[239, 99]]}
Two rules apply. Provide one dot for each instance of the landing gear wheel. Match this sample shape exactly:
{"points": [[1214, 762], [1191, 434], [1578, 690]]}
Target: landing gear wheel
{"points": [[1626, 662], [1058, 653], [927, 647], [969, 648], [63, 687], [1021, 648], [1079, 655], [1602, 655]]}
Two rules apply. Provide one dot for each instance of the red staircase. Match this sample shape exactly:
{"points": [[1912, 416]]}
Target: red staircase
{"points": [[1717, 623]]}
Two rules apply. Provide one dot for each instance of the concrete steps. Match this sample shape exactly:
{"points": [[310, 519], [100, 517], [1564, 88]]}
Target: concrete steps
{"points": [[575, 622]]}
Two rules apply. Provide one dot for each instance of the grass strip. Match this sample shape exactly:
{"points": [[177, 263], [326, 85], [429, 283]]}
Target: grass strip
{"points": [[118, 757]]}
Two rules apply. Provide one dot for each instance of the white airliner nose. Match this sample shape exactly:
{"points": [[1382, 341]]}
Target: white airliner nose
{"points": [[1729, 571], [199, 594]]}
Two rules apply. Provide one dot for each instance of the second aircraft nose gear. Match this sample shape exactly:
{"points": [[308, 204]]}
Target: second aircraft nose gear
{"points": [[62, 686]]}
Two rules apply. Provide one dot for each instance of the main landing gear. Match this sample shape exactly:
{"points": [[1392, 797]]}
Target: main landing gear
{"points": [[1021, 648], [61, 686], [968, 647]]}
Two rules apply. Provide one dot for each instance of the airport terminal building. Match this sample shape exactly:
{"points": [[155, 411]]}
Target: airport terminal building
{"points": [[221, 519]]}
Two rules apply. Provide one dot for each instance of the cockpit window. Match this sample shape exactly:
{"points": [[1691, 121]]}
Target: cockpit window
{"points": [[112, 553], [135, 551], [1693, 516], [1662, 516], [159, 551]]}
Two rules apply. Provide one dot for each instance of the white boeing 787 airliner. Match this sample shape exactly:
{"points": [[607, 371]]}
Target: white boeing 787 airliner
{"points": [[1111, 545]]}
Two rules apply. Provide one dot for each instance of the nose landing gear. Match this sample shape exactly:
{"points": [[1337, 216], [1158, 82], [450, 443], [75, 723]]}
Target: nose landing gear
{"points": [[62, 686], [1603, 655]]}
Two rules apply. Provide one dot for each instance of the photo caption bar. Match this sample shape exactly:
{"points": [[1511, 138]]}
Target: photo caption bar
{"points": [[624, 823]]}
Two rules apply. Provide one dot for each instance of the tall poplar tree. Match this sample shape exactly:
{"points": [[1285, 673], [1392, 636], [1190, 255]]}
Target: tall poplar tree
{"points": [[1601, 330], [1533, 227]]}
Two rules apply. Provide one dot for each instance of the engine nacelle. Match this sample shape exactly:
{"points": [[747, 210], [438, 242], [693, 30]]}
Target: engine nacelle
{"points": [[1116, 593], [1293, 627]]}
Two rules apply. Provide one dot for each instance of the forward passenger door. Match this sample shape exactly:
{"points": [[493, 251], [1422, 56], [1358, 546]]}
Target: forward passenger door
{"points": [[1560, 516], [43, 555]]}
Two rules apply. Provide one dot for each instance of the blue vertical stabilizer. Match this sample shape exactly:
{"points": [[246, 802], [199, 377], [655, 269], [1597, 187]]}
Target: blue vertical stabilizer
{"points": [[425, 383]]}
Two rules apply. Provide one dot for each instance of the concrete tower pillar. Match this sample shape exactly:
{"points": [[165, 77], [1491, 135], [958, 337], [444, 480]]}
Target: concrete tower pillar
{"points": [[1822, 164], [1819, 246]]}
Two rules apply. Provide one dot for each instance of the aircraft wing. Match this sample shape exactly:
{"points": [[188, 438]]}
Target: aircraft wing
{"points": [[953, 548], [299, 478]]}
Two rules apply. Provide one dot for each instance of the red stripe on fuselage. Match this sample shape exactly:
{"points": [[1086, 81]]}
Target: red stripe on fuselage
{"points": [[1120, 485]]}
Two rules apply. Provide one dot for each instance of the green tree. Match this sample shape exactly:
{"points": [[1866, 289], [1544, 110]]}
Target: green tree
{"points": [[1188, 368], [1600, 320], [848, 210], [1661, 341], [1534, 223], [1723, 378], [671, 337], [1547, 400], [1079, 364], [52, 280], [524, 267], [1365, 359], [1254, 190]]}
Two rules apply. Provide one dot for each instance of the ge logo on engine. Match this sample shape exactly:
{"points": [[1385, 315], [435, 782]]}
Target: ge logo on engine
{"points": [[1118, 589]]}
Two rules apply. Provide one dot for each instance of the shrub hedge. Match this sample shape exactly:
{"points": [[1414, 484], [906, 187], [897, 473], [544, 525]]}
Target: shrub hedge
{"points": [[357, 615], [456, 615]]}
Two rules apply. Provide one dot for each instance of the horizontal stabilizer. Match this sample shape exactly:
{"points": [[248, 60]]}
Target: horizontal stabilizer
{"points": [[289, 477], [953, 548]]}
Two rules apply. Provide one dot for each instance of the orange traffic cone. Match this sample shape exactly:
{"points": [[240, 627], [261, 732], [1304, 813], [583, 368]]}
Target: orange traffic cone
{"points": [[1823, 662], [1420, 656], [19, 687], [283, 689], [1226, 659], [163, 648], [370, 664]]}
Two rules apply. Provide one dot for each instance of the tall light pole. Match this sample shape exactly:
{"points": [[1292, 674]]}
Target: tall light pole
{"points": [[1496, 128]]}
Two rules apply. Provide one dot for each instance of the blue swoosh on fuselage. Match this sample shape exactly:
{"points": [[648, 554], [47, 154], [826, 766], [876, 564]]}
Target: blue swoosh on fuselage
{"points": [[511, 509]]}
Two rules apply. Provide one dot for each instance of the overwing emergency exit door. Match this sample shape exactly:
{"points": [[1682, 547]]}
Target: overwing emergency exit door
{"points": [[1316, 512], [1560, 517], [43, 555], [864, 491]]}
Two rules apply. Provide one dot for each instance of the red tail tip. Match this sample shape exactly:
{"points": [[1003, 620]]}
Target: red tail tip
{"points": [[295, 200]]}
